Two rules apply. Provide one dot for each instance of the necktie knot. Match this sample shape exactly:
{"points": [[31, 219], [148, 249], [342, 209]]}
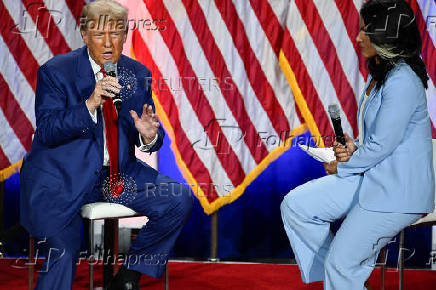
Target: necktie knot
{"points": [[103, 72]]}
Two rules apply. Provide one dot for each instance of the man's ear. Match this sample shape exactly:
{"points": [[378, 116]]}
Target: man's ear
{"points": [[84, 34]]}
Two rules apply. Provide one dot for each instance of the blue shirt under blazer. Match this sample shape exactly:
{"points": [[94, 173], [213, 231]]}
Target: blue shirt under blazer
{"points": [[396, 155], [67, 150]]}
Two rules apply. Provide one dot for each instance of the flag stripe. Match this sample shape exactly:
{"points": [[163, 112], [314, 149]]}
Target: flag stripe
{"points": [[200, 171], [270, 23], [306, 85], [15, 116], [47, 26], [428, 12], [199, 140], [343, 45], [428, 55], [428, 50], [314, 65], [76, 8], [196, 97], [233, 96], [351, 18], [201, 67], [329, 57], [28, 31], [273, 27], [65, 22], [188, 118], [268, 61], [256, 76], [17, 83], [4, 161], [240, 77], [18, 47]]}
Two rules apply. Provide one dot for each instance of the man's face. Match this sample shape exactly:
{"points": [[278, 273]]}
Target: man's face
{"points": [[104, 43]]}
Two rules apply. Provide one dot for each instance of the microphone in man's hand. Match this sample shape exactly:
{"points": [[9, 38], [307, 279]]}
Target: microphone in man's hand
{"points": [[110, 69], [335, 115]]}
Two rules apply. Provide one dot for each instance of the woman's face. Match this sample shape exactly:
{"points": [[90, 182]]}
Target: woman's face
{"points": [[364, 42]]}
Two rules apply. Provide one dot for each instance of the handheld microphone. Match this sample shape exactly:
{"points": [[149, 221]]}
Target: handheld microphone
{"points": [[334, 113], [110, 69]]}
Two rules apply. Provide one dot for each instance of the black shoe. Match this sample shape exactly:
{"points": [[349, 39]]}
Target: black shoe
{"points": [[10, 240], [125, 279]]}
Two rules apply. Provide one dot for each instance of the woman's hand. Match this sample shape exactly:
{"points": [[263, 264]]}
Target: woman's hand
{"points": [[344, 153], [331, 168]]}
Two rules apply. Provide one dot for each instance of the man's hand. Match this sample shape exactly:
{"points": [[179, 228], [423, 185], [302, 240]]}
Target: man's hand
{"points": [[331, 168], [147, 125], [344, 153], [104, 88]]}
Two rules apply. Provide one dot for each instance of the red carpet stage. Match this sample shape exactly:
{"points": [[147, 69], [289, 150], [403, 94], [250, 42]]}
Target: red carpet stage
{"points": [[225, 276]]}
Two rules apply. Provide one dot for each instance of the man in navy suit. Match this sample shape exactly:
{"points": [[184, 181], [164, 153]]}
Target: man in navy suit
{"points": [[74, 151]]}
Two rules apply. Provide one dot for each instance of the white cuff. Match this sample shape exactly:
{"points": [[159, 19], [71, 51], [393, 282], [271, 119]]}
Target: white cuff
{"points": [[146, 147], [93, 116]]}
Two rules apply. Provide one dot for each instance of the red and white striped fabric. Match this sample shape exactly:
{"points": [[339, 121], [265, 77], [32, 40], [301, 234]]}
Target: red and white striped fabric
{"points": [[279, 64], [233, 80], [218, 90], [319, 44], [31, 32]]}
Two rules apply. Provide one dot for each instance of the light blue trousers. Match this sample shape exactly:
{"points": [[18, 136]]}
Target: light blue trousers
{"points": [[343, 261]]}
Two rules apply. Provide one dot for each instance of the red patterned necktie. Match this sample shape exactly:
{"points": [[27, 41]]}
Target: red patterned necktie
{"points": [[116, 185]]}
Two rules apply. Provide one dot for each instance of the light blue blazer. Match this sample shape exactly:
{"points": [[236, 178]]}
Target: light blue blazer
{"points": [[396, 156]]}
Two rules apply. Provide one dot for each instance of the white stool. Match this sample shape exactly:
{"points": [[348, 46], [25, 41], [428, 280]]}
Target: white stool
{"points": [[110, 213]]}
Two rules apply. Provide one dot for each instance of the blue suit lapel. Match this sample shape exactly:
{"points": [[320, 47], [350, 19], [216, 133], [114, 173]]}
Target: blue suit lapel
{"points": [[85, 76], [86, 84]]}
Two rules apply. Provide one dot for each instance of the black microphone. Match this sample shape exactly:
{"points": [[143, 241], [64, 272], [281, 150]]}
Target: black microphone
{"points": [[110, 69], [335, 115]]}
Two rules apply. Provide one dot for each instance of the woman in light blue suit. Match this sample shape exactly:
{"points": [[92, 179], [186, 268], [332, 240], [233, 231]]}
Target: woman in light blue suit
{"points": [[382, 181]]}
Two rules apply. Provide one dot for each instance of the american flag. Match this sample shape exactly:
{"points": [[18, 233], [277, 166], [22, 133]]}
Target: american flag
{"points": [[233, 81], [31, 33]]}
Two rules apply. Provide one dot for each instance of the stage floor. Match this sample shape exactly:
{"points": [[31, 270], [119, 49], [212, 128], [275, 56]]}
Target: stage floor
{"points": [[220, 276]]}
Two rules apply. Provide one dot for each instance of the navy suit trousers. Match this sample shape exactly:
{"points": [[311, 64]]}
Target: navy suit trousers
{"points": [[166, 203]]}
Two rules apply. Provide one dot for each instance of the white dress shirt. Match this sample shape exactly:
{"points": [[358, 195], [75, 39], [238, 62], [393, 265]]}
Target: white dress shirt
{"points": [[144, 147]]}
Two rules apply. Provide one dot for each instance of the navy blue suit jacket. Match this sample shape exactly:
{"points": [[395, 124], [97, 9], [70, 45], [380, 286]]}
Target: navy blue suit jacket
{"points": [[67, 150]]}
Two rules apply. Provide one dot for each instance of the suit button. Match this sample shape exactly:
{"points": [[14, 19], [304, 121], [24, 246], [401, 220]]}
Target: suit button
{"points": [[96, 172]]}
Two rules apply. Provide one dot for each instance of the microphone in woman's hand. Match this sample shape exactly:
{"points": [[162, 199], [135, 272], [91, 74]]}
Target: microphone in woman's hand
{"points": [[335, 115]]}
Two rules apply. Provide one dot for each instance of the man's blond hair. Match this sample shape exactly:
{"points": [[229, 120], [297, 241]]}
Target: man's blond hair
{"points": [[101, 12]]}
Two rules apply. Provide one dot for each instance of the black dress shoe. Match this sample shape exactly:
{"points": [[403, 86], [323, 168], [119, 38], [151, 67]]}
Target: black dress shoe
{"points": [[125, 279], [10, 239]]}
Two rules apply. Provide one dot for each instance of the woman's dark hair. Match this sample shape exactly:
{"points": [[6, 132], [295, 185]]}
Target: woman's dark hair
{"points": [[391, 26]]}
